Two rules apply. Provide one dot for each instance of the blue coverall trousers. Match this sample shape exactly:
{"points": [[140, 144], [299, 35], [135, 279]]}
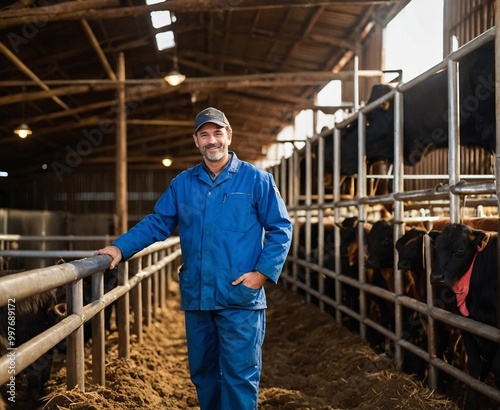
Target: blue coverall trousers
{"points": [[225, 356]]}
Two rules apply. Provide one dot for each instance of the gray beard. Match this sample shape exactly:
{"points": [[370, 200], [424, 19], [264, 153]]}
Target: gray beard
{"points": [[214, 157]]}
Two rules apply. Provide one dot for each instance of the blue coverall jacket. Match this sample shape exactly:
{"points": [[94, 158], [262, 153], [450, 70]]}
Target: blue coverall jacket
{"points": [[235, 224]]}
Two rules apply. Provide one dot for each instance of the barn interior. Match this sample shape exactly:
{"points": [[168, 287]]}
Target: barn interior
{"points": [[86, 81], [64, 64], [89, 77]]}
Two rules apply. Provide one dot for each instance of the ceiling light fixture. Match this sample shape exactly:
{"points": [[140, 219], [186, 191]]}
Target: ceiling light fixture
{"points": [[174, 77], [23, 130], [167, 161]]}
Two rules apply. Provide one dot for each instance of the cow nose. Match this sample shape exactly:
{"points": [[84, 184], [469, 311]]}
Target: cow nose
{"points": [[436, 278]]}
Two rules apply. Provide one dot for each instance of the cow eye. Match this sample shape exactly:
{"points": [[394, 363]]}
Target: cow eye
{"points": [[459, 252]]}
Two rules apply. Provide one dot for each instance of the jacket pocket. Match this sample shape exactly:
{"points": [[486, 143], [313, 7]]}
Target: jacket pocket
{"points": [[235, 212], [189, 287], [243, 296], [237, 296]]}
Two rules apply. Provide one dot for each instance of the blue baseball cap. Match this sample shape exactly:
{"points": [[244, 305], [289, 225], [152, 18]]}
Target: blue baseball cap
{"points": [[210, 114]]}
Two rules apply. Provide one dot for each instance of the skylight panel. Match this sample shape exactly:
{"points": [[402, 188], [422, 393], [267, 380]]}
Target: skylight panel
{"points": [[161, 18], [165, 40]]}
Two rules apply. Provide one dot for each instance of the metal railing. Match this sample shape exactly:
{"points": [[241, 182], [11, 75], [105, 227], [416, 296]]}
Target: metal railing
{"points": [[456, 189], [146, 276]]}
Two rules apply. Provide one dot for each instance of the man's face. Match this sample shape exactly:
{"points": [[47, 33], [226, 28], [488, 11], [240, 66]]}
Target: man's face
{"points": [[213, 141]]}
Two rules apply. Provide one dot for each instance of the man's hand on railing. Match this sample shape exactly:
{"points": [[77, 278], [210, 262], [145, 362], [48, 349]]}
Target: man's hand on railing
{"points": [[112, 251]]}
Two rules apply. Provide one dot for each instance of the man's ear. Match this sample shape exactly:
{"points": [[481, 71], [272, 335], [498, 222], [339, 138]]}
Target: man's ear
{"points": [[195, 141]]}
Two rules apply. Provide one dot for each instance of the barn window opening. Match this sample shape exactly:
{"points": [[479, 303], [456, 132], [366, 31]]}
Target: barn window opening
{"points": [[413, 40], [4, 174], [330, 96]]}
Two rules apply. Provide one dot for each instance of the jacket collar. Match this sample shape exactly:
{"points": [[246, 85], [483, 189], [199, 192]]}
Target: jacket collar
{"points": [[233, 166], [234, 162]]}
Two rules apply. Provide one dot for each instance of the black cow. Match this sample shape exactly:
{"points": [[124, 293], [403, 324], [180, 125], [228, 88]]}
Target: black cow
{"points": [[327, 176], [327, 246], [32, 316], [348, 259], [349, 266], [466, 261], [380, 272], [425, 115], [411, 260], [379, 265]]}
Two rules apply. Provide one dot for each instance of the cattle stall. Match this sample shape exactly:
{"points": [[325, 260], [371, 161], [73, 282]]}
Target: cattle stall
{"points": [[49, 231], [453, 179], [83, 286]]}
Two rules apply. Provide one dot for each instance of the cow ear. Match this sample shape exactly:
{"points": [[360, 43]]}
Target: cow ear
{"points": [[477, 237], [433, 234]]}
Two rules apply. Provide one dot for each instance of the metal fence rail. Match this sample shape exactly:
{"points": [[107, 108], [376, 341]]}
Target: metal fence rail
{"points": [[304, 209], [153, 266]]}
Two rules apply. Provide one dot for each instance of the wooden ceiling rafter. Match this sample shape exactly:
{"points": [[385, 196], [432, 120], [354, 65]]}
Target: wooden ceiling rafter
{"points": [[259, 60], [111, 9], [30, 74], [99, 51]]}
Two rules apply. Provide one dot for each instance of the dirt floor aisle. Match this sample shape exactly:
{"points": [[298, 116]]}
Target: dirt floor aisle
{"points": [[309, 363]]}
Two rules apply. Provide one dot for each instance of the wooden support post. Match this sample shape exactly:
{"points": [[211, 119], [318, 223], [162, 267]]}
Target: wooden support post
{"points": [[497, 118], [121, 151]]}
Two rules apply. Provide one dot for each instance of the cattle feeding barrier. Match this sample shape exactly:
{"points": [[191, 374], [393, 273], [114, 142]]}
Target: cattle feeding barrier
{"points": [[142, 287], [305, 270]]}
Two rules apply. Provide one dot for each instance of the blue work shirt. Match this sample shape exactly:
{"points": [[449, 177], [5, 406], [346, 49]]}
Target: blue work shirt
{"points": [[233, 225]]}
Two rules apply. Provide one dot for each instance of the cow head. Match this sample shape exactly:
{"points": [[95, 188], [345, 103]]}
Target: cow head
{"points": [[380, 245], [379, 134], [380, 126], [348, 242], [455, 248], [410, 250]]}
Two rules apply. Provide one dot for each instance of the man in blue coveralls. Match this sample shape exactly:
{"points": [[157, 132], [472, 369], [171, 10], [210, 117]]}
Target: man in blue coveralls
{"points": [[235, 234]]}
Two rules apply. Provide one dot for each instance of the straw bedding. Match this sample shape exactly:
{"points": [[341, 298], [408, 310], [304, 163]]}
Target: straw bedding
{"points": [[310, 363]]}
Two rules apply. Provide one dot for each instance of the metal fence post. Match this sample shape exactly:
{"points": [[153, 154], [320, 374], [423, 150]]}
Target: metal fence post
{"points": [[75, 342], [123, 314], [98, 332]]}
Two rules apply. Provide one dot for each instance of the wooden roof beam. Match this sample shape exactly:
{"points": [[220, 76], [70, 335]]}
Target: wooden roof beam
{"points": [[19, 64], [97, 48], [110, 9]]}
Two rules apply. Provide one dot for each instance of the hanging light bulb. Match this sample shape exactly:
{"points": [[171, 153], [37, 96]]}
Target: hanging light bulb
{"points": [[23, 130], [167, 161], [174, 77]]}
